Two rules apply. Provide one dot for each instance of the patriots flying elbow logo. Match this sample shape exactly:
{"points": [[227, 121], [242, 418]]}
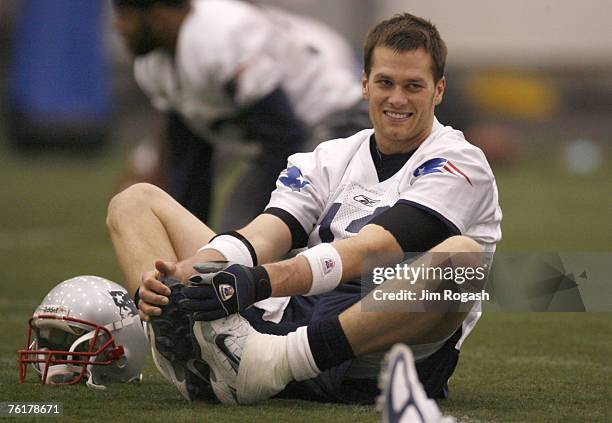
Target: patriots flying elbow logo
{"points": [[124, 302], [440, 165], [292, 178]]}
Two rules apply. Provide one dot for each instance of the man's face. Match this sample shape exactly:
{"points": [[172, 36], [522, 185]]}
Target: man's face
{"points": [[402, 97], [131, 23]]}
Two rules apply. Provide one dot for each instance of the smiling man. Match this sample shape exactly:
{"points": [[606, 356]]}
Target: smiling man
{"points": [[299, 327], [403, 89]]}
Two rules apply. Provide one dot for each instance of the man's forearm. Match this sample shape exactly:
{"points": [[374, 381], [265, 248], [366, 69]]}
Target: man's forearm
{"points": [[374, 244], [290, 277], [269, 236]]}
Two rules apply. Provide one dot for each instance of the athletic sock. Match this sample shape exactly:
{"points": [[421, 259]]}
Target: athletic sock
{"points": [[270, 362], [264, 369], [328, 344], [299, 355]]}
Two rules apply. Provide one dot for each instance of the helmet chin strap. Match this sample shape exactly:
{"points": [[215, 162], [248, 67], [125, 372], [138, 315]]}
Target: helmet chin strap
{"points": [[88, 371], [61, 373], [91, 385], [111, 327]]}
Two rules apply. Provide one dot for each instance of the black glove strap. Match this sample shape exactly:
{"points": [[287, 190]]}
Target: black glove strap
{"points": [[261, 282]]}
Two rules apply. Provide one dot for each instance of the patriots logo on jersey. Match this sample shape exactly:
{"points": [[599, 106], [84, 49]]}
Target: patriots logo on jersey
{"points": [[124, 302], [292, 178], [439, 165]]}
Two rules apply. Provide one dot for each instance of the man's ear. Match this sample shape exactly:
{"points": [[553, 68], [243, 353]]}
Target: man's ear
{"points": [[364, 86], [440, 87]]}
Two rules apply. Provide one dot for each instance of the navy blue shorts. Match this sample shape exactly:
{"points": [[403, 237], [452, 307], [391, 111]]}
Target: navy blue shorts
{"points": [[333, 385]]}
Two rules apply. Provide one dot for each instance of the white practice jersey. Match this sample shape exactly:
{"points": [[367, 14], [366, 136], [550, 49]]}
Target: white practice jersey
{"points": [[259, 48], [335, 191]]}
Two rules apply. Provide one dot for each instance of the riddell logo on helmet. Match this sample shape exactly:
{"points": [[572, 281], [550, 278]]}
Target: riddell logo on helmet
{"points": [[52, 309]]}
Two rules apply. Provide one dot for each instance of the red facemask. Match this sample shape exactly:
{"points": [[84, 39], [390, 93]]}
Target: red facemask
{"points": [[93, 346]]}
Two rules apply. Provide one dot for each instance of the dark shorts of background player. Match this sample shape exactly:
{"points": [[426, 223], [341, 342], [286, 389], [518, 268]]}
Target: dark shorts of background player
{"points": [[335, 385]]}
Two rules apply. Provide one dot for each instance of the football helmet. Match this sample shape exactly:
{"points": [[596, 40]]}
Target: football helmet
{"points": [[86, 328]]}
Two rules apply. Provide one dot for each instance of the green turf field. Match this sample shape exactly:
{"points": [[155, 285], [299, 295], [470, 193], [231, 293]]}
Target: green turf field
{"points": [[514, 367]]}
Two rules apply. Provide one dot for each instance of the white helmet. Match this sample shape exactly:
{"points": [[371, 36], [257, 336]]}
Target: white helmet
{"points": [[86, 327]]}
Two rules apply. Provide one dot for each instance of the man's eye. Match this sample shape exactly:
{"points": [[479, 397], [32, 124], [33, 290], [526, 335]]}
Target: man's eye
{"points": [[384, 82]]}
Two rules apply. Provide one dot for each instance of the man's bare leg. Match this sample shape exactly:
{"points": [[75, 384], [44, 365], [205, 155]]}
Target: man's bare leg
{"points": [[369, 332], [146, 224], [269, 362]]}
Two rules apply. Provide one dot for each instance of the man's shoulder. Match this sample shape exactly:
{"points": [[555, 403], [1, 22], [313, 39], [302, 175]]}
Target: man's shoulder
{"points": [[332, 156], [212, 21], [216, 33], [338, 152], [450, 143], [345, 145]]}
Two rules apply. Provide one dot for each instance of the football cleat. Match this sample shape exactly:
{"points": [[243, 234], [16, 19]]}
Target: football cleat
{"points": [[175, 353], [221, 343], [403, 399]]}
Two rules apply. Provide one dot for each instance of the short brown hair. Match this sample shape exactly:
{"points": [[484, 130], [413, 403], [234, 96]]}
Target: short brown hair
{"points": [[406, 32]]}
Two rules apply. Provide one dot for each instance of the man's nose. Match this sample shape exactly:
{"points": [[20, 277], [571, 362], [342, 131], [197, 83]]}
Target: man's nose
{"points": [[398, 97]]}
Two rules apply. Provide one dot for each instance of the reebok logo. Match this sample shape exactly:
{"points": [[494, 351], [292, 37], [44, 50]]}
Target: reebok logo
{"points": [[328, 265], [366, 201]]}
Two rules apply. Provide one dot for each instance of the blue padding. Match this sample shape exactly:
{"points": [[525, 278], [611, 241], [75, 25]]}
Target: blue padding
{"points": [[58, 70]]}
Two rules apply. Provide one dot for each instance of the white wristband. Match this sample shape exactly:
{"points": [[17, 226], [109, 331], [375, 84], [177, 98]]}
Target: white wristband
{"points": [[232, 249], [326, 266]]}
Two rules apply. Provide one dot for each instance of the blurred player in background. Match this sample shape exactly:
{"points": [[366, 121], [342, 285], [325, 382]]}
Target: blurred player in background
{"points": [[296, 327], [228, 71]]}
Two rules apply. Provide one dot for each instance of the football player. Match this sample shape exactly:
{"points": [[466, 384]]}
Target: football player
{"points": [[296, 327], [229, 71]]}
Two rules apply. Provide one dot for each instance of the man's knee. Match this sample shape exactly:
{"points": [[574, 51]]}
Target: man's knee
{"points": [[132, 200], [463, 251], [461, 244]]}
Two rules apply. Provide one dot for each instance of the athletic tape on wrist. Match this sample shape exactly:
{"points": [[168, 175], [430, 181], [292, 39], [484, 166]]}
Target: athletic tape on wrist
{"points": [[326, 266], [234, 247]]}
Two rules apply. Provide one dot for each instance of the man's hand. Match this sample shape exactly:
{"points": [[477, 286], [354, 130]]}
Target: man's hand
{"points": [[214, 293], [152, 293]]}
